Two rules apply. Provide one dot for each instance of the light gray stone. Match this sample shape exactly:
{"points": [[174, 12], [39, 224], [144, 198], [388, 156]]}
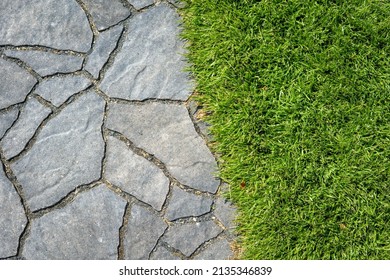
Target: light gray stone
{"points": [[31, 116], [106, 13], [87, 228], [218, 250], [7, 118], [178, 3], [135, 175], [188, 237], [46, 63], [58, 89], [105, 44], [12, 217], [139, 4], [151, 62], [143, 231], [67, 153], [225, 212], [166, 130], [59, 24], [15, 83], [163, 254], [184, 204]]}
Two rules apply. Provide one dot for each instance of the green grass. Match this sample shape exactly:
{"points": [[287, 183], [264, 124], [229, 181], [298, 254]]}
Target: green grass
{"points": [[299, 95]]}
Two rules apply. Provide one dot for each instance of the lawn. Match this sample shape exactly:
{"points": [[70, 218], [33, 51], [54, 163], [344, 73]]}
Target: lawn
{"points": [[298, 93]]}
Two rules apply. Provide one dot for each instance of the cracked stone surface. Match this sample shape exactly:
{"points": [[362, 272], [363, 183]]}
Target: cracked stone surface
{"points": [[7, 118], [216, 251], [139, 4], [163, 254]]}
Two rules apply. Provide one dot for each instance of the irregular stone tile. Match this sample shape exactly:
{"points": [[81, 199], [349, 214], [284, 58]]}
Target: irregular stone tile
{"points": [[15, 83], [31, 116], [178, 3], [167, 131], [139, 4], [12, 217], [219, 250], [135, 175], [59, 24], [59, 88], [225, 212], [106, 13], [163, 254], [105, 44], [46, 63], [185, 204], [67, 153], [87, 228], [150, 63], [188, 237], [143, 231], [7, 118]]}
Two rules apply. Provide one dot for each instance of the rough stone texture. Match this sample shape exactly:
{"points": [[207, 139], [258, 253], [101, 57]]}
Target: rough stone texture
{"points": [[139, 4], [59, 88], [67, 153], [12, 217], [46, 63], [135, 175], [184, 204], [188, 237], [225, 212], [87, 228], [31, 116], [143, 231], [150, 63], [219, 250], [106, 13], [163, 254], [167, 131], [178, 3], [59, 24], [7, 118], [15, 83], [105, 44]]}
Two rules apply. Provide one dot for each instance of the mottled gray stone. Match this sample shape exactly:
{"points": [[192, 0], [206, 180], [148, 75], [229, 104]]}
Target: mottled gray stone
{"points": [[46, 63], [167, 131], [106, 13], [59, 24], [218, 250], [184, 204], [59, 88], [7, 118], [151, 62], [143, 231], [135, 175], [188, 237], [67, 153], [87, 228], [15, 83], [105, 44], [12, 217], [225, 212], [178, 3], [163, 254], [31, 116], [139, 4]]}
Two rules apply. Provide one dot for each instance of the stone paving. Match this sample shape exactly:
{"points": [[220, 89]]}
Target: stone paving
{"points": [[102, 152]]}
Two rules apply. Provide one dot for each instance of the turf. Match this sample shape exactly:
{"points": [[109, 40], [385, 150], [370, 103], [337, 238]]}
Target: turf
{"points": [[299, 98]]}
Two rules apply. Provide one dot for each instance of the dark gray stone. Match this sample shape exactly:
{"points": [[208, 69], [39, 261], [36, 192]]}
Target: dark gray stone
{"points": [[135, 175], [15, 83], [68, 152], [188, 237], [105, 44], [151, 62], [59, 24], [218, 250], [166, 130], [12, 217], [59, 88], [225, 212], [87, 228], [31, 116], [163, 254], [184, 204], [143, 231], [7, 118], [46, 63], [139, 4], [106, 13]]}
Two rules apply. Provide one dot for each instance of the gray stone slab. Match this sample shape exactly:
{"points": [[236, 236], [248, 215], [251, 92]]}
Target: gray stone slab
{"points": [[7, 118], [31, 116], [135, 175], [218, 250], [139, 4], [15, 83], [185, 204], [106, 13], [46, 63], [163, 254], [59, 24], [105, 44], [188, 237], [166, 130], [225, 212], [87, 228], [68, 152], [12, 217], [151, 62], [143, 231], [58, 89], [178, 3]]}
